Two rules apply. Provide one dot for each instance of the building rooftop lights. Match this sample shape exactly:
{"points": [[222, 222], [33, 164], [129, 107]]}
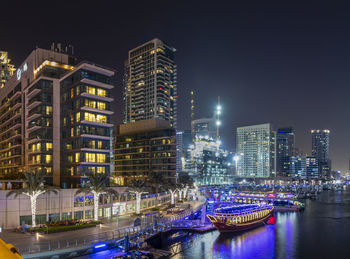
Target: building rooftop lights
{"points": [[53, 64]]}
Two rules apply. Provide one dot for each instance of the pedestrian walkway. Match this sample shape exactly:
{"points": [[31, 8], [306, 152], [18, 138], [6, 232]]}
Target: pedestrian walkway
{"points": [[26, 243]]}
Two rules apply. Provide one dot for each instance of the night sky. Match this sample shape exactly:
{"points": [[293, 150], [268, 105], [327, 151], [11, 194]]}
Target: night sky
{"points": [[279, 62]]}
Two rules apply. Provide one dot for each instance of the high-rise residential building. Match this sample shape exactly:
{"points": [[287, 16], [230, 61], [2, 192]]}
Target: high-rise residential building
{"points": [[142, 148], [150, 83], [296, 167], [255, 150], [284, 150], [55, 117], [320, 150], [6, 68], [312, 167]]}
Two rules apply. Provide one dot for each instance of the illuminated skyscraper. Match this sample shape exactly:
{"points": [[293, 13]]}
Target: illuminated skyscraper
{"points": [[6, 69], [150, 83], [312, 167], [55, 118], [320, 150], [255, 150], [284, 150]]}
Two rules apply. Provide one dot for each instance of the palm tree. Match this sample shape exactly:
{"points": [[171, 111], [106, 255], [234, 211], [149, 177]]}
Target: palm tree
{"points": [[172, 188], [157, 180], [34, 187], [97, 185], [137, 187], [185, 181]]}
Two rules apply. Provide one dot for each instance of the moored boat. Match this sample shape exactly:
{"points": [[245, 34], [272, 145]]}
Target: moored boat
{"points": [[234, 218]]}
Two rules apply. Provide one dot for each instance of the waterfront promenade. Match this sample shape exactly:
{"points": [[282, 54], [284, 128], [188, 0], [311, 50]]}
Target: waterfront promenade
{"points": [[33, 243]]}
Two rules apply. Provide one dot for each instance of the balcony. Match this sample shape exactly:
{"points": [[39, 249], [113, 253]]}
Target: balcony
{"points": [[87, 108], [33, 93], [97, 97], [96, 83], [33, 105]]}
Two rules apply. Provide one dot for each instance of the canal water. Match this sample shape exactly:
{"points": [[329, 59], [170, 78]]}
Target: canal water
{"points": [[321, 231]]}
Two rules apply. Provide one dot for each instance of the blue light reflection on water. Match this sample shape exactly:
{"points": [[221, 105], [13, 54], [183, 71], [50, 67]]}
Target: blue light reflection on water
{"points": [[257, 243], [321, 231]]}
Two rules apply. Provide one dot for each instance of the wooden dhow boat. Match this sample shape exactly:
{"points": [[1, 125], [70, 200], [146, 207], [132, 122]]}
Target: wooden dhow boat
{"points": [[234, 218]]}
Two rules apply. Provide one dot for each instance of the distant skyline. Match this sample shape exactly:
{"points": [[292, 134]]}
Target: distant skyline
{"points": [[282, 63]]}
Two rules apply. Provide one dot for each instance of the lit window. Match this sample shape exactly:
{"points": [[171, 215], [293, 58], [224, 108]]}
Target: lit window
{"points": [[101, 106], [77, 157], [101, 158], [101, 92], [48, 110], [91, 90], [48, 159], [90, 158], [48, 146], [101, 170], [77, 117]]}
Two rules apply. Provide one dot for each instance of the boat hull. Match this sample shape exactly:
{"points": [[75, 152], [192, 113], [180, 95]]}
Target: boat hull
{"points": [[224, 227]]}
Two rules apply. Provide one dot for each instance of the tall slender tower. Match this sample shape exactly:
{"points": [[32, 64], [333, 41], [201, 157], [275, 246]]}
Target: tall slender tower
{"points": [[320, 150], [192, 106], [150, 83]]}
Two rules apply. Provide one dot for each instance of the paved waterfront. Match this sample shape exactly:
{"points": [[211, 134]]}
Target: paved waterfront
{"points": [[60, 240], [321, 231]]}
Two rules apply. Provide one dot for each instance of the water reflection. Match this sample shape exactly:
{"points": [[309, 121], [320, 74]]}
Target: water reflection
{"points": [[321, 231]]}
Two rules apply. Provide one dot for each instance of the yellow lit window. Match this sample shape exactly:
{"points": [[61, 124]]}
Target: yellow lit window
{"points": [[48, 110], [101, 92], [89, 116], [91, 90], [70, 158], [90, 103], [91, 143], [72, 92], [48, 159], [101, 106], [90, 157], [77, 117], [140, 150], [77, 157], [38, 159], [91, 169], [48, 146], [72, 132], [99, 144], [101, 158], [101, 170], [101, 118]]}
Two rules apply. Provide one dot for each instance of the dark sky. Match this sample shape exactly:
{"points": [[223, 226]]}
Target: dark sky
{"points": [[284, 62]]}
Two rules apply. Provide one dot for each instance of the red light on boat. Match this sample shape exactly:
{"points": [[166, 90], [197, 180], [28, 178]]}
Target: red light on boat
{"points": [[271, 220]]}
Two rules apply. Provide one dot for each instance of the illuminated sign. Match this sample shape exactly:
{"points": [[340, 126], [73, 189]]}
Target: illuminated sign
{"points": [[21, 70]]}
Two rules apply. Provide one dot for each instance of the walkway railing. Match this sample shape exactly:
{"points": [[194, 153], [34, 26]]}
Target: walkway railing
{"points": [[137, 235]]}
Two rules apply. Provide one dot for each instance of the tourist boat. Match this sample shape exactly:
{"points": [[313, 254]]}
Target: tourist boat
{"points": [[287, 206], [234, 218]]}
